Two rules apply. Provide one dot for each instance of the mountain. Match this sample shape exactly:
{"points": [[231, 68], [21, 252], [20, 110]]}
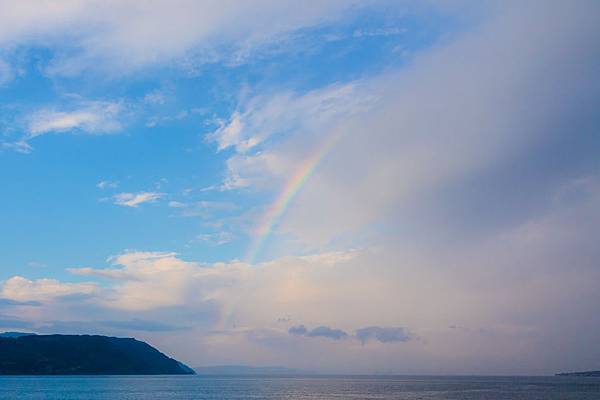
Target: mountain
{"points": [[584, 373], [247, 370], [83, 355]]}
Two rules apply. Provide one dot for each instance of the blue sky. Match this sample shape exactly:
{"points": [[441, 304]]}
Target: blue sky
{"points": [[435, 165]]}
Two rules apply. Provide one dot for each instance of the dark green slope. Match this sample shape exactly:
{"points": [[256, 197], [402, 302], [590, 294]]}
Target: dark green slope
{"points": [[83, 355]]}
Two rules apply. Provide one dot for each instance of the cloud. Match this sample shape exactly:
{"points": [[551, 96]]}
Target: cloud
{"points": [[298, 330], [13, 322], [263, 117], [87, 327], [229, 134], [153, 280], [90, 117], [419, 146], [230, 310], [148, 280], [107, 185], [216, 239], [9, 302], [102, 273], [320, 331], [20, 146], [135, 199], [140, 325], [382, 334], [203, 209], [21, 289], [327, 332], [73, 115], [37, 264], [155, 97], [176, 204], [378, 32], [116, 37]]}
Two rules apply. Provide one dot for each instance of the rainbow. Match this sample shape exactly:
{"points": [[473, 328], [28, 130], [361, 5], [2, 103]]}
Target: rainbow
{"points": [[274, 213]]}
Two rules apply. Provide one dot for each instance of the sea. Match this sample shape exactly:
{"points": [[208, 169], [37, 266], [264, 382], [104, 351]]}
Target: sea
{"points": [[297, 387]]}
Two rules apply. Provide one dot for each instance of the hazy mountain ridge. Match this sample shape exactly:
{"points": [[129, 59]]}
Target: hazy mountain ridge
{"points": [[581, 373], [248, 370]]}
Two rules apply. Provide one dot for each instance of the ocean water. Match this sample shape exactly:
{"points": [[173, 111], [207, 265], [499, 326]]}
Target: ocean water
{"points": [[296, 387]]}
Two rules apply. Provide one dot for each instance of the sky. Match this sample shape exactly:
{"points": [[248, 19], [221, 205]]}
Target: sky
{"points": [[378, 186]]}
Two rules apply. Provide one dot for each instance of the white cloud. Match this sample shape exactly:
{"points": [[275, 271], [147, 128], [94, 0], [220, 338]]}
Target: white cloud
{"points": [[156, 120], [378, 32], [21, 289], [216, 239], [91, 117], [155, 97], [121, 37], [20, 146], [149, 280], [460, 111], [262, 117], [107, 185], [228, 134], [203, 209], [507, 293], [135, 199]]}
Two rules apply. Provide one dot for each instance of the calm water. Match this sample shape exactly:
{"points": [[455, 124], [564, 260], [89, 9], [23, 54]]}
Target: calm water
{"points": [[339, 387]]}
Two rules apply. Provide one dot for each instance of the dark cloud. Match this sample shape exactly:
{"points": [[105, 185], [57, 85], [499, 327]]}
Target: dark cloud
{"points": [[378, 333], [382, 334], [325, 331], [320, 331], [298, 330]]}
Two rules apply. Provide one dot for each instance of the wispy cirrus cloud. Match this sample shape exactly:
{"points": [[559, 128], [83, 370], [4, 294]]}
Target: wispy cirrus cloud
{"points": [[88, 117], [262, 117], [216, 238], [203, 209], [136, 199], [107, 185], [70, 115]]}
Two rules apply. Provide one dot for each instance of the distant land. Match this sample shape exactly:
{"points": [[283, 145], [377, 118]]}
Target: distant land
{"points": [[583, 373], [247, 370], [31, 354]]}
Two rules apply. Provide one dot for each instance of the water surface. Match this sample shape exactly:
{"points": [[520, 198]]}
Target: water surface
{"points": [[296, 388]]}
